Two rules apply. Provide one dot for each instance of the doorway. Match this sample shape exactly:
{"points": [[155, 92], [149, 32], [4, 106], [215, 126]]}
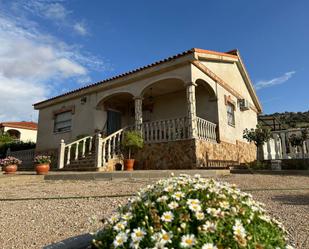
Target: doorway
{"points": [[113, 121]]}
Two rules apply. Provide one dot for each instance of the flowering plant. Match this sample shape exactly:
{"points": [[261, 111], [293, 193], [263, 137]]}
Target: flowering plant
{"points": [[191, 212], [39, 159], [10, 161]]}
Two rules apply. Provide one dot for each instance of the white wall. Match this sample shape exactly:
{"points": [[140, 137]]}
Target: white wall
{"points": [[25, 134]]}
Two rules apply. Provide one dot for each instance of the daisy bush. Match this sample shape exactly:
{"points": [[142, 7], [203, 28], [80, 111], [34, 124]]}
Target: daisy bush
{"points": [[191, 212]]}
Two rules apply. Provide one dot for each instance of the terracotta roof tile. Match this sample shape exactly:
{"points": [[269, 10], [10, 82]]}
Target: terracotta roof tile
{"points": [[140, 69], [22, 125]]}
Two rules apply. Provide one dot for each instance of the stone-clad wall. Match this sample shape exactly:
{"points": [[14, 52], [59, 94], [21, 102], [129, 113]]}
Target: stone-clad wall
{"points": [[189, 154], [167, 155], [240, 152]]}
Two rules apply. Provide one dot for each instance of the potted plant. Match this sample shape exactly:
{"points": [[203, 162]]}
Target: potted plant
{"points": [[9, 164], [42, 164], [132, 141], [258, 136]]}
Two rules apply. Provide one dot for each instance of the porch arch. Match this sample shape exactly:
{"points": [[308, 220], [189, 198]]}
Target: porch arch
{"points": [[117, 111], [206, 101], [164, 99]]}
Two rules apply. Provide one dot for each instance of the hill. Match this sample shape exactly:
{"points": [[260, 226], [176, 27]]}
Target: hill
{"points": [[291, 119]]}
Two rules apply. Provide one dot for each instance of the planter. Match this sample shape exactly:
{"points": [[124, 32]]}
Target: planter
{"points": [[275, 164], [42, 169], [10, 169], [129, 164]]}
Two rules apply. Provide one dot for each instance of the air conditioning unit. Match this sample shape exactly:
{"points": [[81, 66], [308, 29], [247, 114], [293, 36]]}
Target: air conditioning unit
{"points": [[244, 104]]}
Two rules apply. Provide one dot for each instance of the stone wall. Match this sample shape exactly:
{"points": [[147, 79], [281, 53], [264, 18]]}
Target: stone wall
{"points": [[167, 155], [240, 152]]}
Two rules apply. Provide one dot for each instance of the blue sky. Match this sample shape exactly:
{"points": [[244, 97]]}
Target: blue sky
{"points": [[49, 47]]}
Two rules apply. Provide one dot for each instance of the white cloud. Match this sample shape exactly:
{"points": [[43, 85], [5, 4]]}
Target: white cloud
{"points": [[80, 28], [275, 81], [55, 11], [34, 65]]}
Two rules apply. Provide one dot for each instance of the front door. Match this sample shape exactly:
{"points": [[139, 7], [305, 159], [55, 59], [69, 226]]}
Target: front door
{"points": [[113, 121]]}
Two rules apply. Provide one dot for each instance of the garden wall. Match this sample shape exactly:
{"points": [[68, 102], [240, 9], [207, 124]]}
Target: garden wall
{"points": [[240, 152], [167, 155]]}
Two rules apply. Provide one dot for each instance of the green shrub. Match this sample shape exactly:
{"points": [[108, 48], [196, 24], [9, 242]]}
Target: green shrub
{"points": [[187, 212], [258, 165], [15, 146], [132, 140]]}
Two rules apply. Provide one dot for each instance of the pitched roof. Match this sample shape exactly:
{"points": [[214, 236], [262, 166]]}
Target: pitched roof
{"points": [[190, 51], [21, 125]]}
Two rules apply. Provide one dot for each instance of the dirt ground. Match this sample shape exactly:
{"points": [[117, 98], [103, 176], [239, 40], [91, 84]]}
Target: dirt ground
{"points": [[61, 209]]}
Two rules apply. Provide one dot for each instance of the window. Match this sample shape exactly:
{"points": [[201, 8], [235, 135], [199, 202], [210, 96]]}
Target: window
{"points": [[230, 114], [63, 122]]}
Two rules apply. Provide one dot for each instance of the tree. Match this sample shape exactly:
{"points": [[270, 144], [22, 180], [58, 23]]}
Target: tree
{"points": [[258, 136]]}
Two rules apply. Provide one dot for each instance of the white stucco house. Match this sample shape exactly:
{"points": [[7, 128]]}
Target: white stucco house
{"points": [[20, 131], [191, 108]]}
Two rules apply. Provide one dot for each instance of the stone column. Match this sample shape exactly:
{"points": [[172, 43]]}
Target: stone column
{"points": [[138, 112], [191, 103]]}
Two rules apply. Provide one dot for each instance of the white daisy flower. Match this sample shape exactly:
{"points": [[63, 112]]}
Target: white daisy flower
{"points": [[167, 216], [193, 202], [173, 205], [187, 241], [162, 198], [178, 195], [120, 239], [166, 237], [127, 216], [138, 234], [195, 207], [209, 246], [121, 225], [209, 227], [199, 215]]}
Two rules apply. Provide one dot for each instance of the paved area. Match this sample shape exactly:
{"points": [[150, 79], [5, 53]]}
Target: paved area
{"points": [[61, 209]]}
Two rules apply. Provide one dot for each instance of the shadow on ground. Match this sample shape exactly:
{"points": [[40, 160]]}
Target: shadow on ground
{"points": [[296, 199]]}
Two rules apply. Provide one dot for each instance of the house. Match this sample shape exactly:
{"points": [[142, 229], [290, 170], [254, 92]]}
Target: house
{"points": [[191, 108], [20, 131]]}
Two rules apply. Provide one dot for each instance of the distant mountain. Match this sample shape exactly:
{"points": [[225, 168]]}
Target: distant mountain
{"points": [[291, 119]]}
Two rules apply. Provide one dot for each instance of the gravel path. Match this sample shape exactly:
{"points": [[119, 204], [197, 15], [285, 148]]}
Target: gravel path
{"points": [[35, 223]]}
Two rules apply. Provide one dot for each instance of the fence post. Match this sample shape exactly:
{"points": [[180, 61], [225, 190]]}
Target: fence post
{"points": [[61, 154], [98, 154]]}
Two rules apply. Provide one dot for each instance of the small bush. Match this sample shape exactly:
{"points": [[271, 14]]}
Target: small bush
{"points": [[258, 165], [187, 212]]}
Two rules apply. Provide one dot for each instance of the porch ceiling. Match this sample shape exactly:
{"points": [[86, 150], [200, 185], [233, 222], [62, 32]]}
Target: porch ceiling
{"points": [[163, 87]]}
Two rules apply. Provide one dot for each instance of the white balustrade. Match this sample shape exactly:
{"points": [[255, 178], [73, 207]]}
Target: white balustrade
{"points": [[279, 146], [76, 150], [206, 130], [165, 130], [111, 147]]}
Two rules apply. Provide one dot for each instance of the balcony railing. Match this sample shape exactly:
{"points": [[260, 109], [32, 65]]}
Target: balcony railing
{"points": [[206, 130]]}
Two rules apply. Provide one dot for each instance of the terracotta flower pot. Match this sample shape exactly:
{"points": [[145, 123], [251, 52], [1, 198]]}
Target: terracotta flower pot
{"points": [[10, 169], [42, 169], [129, 164]]}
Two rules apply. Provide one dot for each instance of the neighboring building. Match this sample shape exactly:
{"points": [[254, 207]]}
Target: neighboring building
{"points": [[192, 109], [20, 131]]}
